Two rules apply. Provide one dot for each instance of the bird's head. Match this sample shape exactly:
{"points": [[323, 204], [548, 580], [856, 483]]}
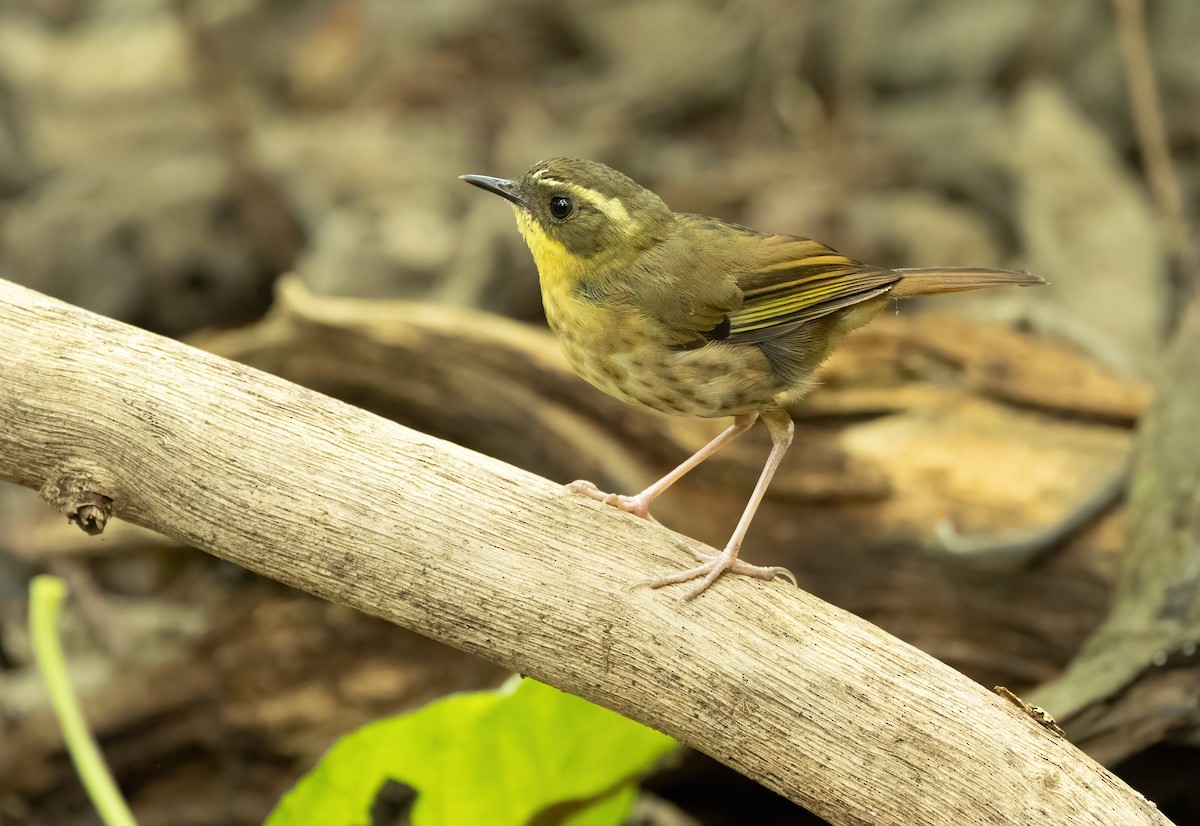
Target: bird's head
{"points": [[576, 214]]}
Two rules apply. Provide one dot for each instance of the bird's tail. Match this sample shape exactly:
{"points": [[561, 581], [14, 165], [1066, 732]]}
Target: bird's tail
{"points": [[936, 280]]}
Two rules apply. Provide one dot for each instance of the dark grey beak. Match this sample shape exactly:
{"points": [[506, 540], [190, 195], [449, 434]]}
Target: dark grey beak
{"points": [[501, 186]]}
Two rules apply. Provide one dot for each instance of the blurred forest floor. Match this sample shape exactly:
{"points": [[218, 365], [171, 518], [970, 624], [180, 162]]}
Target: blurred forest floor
{"points": [[167, 163]]}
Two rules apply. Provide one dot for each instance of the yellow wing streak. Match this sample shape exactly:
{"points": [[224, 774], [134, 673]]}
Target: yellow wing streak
{"points": [[806, 281], [791, 302], [815, 261]]}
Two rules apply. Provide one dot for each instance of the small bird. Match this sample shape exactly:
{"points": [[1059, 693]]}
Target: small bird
{"points": [[695, 316]]}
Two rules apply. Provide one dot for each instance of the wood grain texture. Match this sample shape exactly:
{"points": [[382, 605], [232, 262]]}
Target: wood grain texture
{"points": [[805, 698]]}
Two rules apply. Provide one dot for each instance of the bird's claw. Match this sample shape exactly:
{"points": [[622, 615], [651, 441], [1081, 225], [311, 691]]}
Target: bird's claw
{"points": [[582, 487], [637, 505], [713, 565]]}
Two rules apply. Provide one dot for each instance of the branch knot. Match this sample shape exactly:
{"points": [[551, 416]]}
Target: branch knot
{"points": [[76, 497]]}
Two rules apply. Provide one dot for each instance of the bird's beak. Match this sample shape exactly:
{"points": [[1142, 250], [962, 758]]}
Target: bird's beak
{"points": [[501, 186]]}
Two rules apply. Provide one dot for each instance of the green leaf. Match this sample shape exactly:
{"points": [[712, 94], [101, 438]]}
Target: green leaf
{"points": [[501, 757]]}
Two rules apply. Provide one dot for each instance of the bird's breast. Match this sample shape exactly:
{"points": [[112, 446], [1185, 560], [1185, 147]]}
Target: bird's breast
{"points": [[621, 351]]}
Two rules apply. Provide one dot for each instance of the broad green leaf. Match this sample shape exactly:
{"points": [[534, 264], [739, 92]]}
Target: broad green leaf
{"points": [[499, 757]]}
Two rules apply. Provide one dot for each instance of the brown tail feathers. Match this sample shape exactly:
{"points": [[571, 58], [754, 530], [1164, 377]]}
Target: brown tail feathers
{"points": [[935, 280]]}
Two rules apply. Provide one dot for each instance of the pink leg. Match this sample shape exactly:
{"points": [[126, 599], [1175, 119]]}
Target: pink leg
{"points": [[713, 565], [639, 504]]}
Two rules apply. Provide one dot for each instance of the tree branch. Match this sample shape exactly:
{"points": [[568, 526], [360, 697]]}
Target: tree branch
{"points": [[801, 696]]}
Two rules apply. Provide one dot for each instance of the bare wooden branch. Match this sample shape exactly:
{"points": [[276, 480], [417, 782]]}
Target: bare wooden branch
{"points": [[805, 698]]}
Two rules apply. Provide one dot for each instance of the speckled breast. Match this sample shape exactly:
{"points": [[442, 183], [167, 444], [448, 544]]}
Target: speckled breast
{"points": [[622, 353]]}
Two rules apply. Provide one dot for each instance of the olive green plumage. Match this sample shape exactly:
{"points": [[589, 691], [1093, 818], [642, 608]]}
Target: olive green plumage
{"points": [[693, 315]]}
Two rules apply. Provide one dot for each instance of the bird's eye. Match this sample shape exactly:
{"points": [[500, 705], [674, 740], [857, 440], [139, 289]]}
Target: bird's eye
{"points": [[561, 207]]}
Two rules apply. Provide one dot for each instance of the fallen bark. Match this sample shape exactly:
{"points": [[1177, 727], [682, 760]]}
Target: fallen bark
{"points": [[805, 698], [1137, 680]]}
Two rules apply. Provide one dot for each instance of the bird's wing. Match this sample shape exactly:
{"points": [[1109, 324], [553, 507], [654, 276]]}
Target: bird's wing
{"points": [[792, 281]]}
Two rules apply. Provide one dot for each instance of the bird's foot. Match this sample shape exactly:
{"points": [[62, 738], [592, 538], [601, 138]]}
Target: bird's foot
{"points": [[638, 505], [713, 565]]}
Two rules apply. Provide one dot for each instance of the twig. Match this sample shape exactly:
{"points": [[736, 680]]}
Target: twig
{"points": [[1152, 140]]}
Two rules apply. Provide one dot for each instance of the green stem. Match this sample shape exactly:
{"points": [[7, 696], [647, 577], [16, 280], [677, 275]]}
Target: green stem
{"points": [[46, 595]]}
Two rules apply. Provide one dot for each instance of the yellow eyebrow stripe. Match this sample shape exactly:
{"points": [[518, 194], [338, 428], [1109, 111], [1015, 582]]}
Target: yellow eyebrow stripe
{"points": [[611, 207]]}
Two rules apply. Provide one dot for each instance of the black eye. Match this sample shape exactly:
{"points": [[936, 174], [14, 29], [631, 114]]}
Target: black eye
{"points": [[561, 207]]}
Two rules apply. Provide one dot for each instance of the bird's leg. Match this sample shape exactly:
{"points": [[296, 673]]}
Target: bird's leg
{"points": [[779, 423], [639, 504]]}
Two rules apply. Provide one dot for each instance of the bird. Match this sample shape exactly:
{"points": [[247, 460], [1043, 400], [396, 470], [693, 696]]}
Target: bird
{"points": [[696, 316]]}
